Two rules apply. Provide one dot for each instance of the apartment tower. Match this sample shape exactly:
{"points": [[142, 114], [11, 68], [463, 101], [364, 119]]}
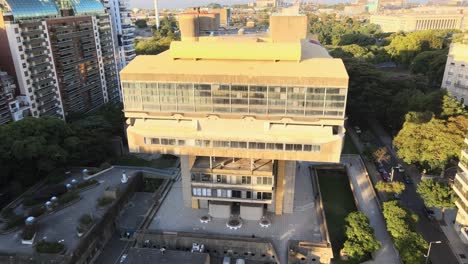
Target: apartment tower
{"points": [[123, 29], [61, 53], [240, 111], [456, 71], [461, 190]]}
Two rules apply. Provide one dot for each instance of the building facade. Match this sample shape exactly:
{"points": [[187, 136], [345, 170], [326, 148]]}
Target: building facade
{"points": [[266, 3], [123, 29], [415, 22], [240, 111], [461, 190], [455, 79], [7, 94], [62, 53]]}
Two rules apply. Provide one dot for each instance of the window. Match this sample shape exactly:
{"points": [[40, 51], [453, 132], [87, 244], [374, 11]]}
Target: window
{"points": [[221, 178], [236, 194], [246, 179], [205, 177], [248, 194], [267, 196]]}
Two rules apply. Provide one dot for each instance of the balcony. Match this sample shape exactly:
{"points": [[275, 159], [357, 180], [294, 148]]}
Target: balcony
{"points": [[462, 192], [462, 208]]}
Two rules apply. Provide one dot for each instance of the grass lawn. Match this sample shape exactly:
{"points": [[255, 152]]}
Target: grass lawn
{"points": [[349, 147], [338, 202], [164, 161]]}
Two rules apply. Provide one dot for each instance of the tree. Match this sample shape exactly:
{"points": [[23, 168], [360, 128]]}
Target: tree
{"points": [[436, 194], [141, 23], [431, 144], [381, 154], [390, 187], [431, 64], [214, 5], [361, 240], [401, 226], [452, 107]]}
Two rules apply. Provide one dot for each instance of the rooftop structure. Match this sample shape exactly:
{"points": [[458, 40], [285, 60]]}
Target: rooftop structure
{"points": [[61, 53], [150, 256], [456, 72], [240, 111]]}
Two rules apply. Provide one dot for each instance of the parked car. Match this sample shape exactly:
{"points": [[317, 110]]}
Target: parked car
{"points": [[429, 213], [385, 175], [400, 168], [396, 196], [358, 130], [226, 260], [408, 179]]}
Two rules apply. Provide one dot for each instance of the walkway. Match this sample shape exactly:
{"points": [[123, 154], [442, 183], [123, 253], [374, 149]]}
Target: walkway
{"points": [[369, 205]]}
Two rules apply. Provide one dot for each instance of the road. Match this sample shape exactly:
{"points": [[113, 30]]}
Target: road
{"points": [[430, 230]]}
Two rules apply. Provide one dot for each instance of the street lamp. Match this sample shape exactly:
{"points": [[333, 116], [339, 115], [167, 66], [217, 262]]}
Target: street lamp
{"points": [[429, 249]]}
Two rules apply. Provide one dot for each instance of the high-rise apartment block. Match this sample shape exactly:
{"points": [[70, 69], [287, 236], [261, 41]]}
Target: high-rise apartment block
{"points": [[119, 11], [240, 111], [7, 94], [461, 190], [456, 72], [61, 53]]}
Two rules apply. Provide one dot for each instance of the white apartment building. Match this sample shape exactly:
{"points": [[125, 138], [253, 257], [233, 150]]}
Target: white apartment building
{"points": [[456, 72]]}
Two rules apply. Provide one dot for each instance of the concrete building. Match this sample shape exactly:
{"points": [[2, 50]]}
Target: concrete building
{"points": [[408, 22], [61, 53], [266, 3], [456, 72], [123, 30], [150, 256], [7, 94], [224, 16], [240, 111], [461, 190]]}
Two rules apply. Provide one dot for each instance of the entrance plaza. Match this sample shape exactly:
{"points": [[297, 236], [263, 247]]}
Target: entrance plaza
{"points": [[302, 224]]}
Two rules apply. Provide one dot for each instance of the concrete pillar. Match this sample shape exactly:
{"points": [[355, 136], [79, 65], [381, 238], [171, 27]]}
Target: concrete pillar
{"points": [[289, 186], [186, 163], [279, 191]]}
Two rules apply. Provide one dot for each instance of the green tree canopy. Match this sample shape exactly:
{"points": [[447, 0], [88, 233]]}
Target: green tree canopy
{"points": [[141, 23], [401, 225], [390, 187], [431, 144], [436, 194], [361, 241]]}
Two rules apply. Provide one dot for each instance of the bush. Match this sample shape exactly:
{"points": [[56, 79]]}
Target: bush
{"points": [[86, 220], [28, 232], [103, 201], [68, 197], [49, 247], [15, 220], [37, 211], [30, 201], [85, 184], [53, 190], [56, 176], [105, 165]]}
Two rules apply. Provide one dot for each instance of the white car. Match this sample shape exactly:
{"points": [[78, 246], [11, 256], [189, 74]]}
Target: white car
{"points": [[122, 259], [400, 168], [357, 129]]}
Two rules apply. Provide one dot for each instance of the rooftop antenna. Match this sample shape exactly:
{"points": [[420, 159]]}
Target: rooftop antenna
{"points": [[156, 13]]}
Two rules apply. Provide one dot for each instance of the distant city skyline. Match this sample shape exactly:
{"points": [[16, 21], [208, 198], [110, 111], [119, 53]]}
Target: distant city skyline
{"points": [[189, 3]]}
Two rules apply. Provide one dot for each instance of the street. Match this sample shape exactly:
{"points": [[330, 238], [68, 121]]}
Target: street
{"points": [[430, 230]]}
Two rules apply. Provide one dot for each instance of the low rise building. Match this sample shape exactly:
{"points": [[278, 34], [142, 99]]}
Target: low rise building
{"points": [[408, 22]]}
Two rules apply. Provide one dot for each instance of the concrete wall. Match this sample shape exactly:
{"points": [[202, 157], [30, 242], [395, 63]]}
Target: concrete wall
{"points": [[289, 186], [250, 249], [220, 209], [186, 180], [251, 211]]}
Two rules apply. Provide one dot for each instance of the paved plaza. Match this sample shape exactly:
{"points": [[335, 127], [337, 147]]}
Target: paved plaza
{"points": [[300, 225]]}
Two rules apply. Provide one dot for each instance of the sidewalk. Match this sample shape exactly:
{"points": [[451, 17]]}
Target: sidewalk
{"points": [[455, 243], [368, 204]]}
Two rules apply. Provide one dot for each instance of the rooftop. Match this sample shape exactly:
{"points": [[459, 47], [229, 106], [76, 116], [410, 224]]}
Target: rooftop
{"points": [[285, 56], [150, 256]]}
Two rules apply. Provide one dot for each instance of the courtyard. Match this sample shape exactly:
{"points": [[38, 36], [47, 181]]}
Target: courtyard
{"points": [[302, 224]]}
